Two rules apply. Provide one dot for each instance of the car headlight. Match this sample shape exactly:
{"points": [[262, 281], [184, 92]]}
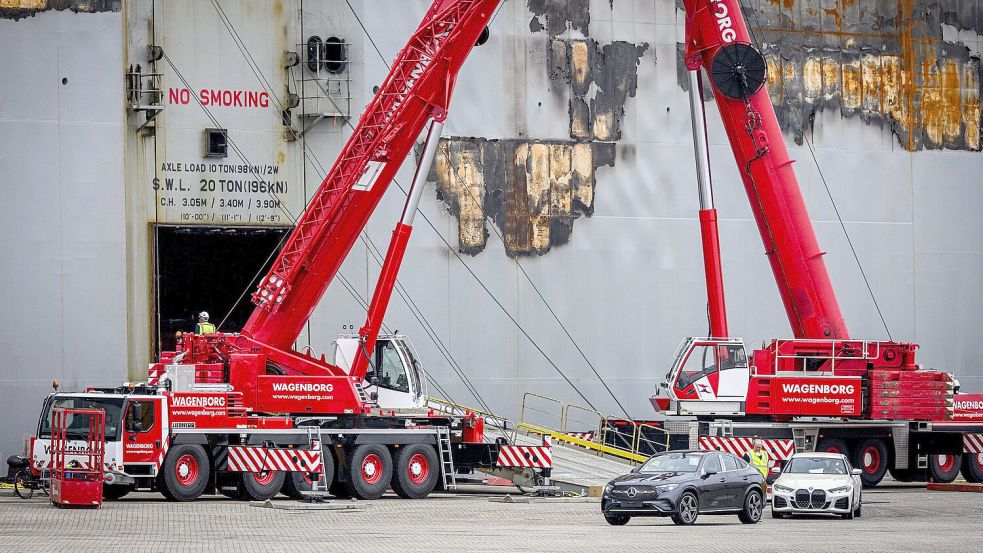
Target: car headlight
{"points": [[608, 488], [841, 489], [781, 488], [666, 488]]}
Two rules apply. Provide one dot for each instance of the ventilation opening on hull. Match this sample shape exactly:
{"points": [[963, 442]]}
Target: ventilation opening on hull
{"points": [[199, 268]]}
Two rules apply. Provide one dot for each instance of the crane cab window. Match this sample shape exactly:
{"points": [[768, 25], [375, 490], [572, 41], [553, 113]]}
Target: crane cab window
{"points": [[707, 359], [389, 368]]}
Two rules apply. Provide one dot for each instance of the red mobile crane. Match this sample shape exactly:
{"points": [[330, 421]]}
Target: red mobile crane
{"points": [[822, 390], [246, 414]]}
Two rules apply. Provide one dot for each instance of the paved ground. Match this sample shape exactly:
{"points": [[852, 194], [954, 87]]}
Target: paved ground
{"points": [[898, 518]]}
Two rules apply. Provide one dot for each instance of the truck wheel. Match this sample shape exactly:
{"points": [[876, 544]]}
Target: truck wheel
{"points": [[943, 468], [833, 445], [370, 470], [260, 486], [296, 483], [872, 460], [186, 472], [901, 475], [415, 471], [973, 467]]}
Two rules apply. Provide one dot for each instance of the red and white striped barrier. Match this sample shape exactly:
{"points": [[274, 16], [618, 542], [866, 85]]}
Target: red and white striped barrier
{"points": [[260, 459], [535, 456], [973, 443], [585, 436], [778, 450]]}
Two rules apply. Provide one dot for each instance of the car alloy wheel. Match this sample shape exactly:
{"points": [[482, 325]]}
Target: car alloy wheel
{"points": [[754, 506], [688, 508]]}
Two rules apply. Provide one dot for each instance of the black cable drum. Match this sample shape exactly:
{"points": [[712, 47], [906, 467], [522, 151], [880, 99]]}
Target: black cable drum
{"points": [[738, 70]]}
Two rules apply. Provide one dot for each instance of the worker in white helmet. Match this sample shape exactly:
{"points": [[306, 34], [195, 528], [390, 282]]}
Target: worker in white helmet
{"points": [[203, 326]]}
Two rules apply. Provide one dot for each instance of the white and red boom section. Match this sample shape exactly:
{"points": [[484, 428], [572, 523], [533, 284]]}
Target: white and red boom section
{"points": [[260, 361], [717, 39]]}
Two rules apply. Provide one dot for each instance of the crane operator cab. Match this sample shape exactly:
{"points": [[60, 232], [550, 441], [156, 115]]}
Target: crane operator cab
{"points": [[709, 376], [399, 382]]}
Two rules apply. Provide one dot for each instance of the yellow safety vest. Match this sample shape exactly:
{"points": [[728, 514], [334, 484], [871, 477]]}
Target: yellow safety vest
{"points": [[759, 461], [205, 328]]}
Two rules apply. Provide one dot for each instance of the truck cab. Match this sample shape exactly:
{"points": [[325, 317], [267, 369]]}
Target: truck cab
{"points": [[135, 431]]}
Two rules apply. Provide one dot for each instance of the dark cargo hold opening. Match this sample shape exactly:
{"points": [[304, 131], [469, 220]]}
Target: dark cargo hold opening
{"points": [[199, 268]]}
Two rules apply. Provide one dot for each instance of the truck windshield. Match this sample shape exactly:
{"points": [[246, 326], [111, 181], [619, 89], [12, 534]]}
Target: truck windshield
{"points": [[816, 465], [78, 428], [672, 462]]}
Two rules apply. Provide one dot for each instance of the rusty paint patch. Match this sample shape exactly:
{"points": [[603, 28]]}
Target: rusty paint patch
{"points": [[884, 62], [18, 9], [533, 190]]}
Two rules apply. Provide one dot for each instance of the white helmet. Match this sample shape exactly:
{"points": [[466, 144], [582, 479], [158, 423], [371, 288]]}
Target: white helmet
{"points": [[203, 315]]}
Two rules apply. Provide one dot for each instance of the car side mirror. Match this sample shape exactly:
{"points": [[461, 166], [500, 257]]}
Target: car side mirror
{"points": [[635, 470], [709, 472], [856, 472], [776, 470]]}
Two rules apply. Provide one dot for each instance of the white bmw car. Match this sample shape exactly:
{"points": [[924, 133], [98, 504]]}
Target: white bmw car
{"points": [[817, 483]]}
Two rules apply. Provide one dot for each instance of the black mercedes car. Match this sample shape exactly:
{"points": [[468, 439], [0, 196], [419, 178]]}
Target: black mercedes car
{"points": [[684, 485]]}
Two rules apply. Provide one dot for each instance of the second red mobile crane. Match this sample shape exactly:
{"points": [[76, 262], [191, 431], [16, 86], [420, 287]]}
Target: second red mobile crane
{"points": [[868, 399]]}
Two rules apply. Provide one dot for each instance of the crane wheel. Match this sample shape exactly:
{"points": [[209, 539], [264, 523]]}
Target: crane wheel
{"points": [[186, 472], [944, 468], [833, 445], [260, 486], [871, 457], [901, 475], [369, 471], [416, 471], [296, 483], [973, 467]]}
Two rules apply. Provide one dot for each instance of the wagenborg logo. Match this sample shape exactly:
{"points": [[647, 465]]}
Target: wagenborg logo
{"points": [[198, 401], [969, 405], [724, 22], [818, 388], [302, 387]]}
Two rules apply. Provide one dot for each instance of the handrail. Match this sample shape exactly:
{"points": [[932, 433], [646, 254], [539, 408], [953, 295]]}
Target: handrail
{"points": [[601, 428]]}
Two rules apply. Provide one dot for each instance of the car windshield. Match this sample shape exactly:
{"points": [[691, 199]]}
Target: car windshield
{"points": [[672, 462], [816, 465]]}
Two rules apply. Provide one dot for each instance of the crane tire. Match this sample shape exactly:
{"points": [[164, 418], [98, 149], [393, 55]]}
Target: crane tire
{"points": [[973, 467], [186, 469], [416, 471], [944, 468], [872, 458], [369, 470]]}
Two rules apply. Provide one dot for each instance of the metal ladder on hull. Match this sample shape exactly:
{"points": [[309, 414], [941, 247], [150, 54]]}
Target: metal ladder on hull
{"points": [[446, 458]]}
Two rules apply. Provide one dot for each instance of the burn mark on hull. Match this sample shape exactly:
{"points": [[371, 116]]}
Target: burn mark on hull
{"points": [[884, 61], [532, 190], [18, 9], [600, 79]]}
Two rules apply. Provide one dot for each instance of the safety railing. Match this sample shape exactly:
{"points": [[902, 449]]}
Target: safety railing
{"points": [[588, 428], [839, 350]]}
